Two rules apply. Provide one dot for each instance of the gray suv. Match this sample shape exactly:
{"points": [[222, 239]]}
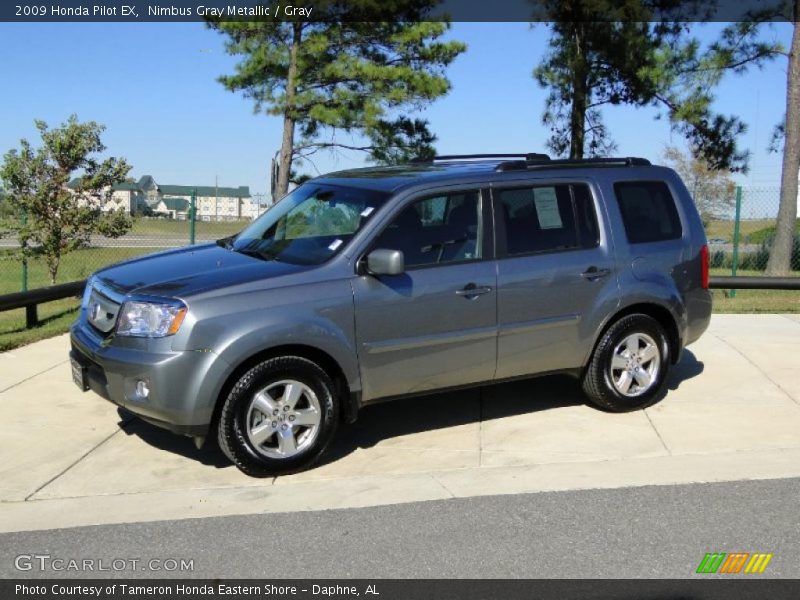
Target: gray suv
{"points": [[374, 284]]}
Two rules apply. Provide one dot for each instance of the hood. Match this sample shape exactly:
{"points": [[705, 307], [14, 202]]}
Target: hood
{"points": [[190, 270]]}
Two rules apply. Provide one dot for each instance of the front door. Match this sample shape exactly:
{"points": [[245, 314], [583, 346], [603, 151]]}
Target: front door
{"points": [[434, 326]]}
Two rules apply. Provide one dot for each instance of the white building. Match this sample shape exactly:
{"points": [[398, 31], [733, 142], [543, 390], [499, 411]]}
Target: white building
{"points": [[212, 203]]}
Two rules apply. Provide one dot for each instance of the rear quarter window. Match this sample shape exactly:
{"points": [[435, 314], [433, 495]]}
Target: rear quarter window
{"points": [[648, 211]]}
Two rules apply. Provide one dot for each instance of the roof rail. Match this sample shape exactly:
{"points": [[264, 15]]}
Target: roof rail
{"points": [[530, 156], [518, 165]]}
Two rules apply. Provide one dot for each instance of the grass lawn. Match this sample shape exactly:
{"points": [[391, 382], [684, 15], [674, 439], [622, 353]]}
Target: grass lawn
{"points": [[757, 301], [180, 229], [54, 317], [724, 229], [754, 301], [74, 266]]}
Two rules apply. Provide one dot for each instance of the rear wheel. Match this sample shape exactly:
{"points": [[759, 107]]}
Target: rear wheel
{"points": [[629, 365], [279, 417]]}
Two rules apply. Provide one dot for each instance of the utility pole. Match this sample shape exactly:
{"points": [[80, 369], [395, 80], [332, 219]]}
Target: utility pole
{"points": [[216, 197]]}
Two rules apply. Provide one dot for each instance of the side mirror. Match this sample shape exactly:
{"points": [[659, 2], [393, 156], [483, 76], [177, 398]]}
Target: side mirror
{"points": [[386, 262]]}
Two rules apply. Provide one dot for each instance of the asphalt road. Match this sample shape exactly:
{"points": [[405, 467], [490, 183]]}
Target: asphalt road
{"points": [[656, 531]]}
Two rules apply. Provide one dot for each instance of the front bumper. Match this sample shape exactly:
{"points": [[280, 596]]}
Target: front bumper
{"points": [[183, 385]]}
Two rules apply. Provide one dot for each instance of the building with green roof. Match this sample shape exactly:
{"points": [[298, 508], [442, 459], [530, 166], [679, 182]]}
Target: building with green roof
{"points": [[213, 203]]}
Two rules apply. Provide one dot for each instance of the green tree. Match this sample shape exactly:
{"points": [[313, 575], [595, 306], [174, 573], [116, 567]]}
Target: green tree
{"points": [[713, 190], [618, 52], [401, 140], [338, 76], [60, 189], [6, 210]]}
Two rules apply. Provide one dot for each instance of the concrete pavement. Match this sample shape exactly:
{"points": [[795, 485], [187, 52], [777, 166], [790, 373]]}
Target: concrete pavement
{"points": [[732, 413]]}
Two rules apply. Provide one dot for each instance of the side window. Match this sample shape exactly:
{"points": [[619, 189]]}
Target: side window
{"points": [[648, 211], [436, 230], [539, 219]]}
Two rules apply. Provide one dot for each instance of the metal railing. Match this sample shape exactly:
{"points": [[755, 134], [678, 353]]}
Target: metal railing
{"points": [[30, 300], [754, 283]]}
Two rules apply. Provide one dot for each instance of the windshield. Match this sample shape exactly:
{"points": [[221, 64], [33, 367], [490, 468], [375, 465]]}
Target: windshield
{"points": [[310, 224]]}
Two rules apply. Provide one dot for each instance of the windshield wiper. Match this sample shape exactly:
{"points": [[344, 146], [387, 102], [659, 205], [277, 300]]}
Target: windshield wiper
{"points": [[253, 253], [259, 254]]}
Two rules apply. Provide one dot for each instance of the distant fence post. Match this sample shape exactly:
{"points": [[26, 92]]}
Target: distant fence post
{"points": [[24, 258], [736, 225], [192, 210]]}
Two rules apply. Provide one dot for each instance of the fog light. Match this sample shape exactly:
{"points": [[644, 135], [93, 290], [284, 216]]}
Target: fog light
{"points": [[142, 389]]}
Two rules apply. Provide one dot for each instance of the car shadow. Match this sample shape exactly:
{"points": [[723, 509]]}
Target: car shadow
{"points": [[380, 422], [209, 454], [688, 368], [383, 421]]}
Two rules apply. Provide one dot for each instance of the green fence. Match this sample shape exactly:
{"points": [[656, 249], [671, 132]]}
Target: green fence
{"points": [[740, 242], [740, 235]]}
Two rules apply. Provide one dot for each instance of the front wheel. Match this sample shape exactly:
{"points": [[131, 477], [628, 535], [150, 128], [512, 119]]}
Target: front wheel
{"points": [[279, 417], [629, 365]]}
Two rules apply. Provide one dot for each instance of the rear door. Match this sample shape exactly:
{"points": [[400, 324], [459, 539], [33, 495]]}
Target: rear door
{"points": [[556, 275], [434, 326]]}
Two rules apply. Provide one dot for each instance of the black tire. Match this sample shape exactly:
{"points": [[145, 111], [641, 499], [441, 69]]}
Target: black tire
{"points": [[597, 384], [233, 421]]}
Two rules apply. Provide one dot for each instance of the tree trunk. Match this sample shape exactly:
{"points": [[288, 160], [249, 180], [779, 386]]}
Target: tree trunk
{"points": [[52, 268], [781, 252], [287, 142], [577, 119]]}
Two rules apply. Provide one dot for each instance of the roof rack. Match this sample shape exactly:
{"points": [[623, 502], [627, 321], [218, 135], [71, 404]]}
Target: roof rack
{"points": [[530, 156], [519, 165]]}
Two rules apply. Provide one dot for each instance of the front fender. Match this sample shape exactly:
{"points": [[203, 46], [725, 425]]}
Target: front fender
{"points": [[239, 326]]}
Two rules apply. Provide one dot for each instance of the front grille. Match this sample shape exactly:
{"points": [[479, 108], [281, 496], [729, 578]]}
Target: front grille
{"points": [[101, 312]]}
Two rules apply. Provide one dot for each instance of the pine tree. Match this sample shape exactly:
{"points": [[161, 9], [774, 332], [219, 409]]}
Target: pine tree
{"points": [[327, 78], [640, 53]]}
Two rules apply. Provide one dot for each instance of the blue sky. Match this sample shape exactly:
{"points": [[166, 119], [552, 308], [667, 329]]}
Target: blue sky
{"points": [[154, 87]]}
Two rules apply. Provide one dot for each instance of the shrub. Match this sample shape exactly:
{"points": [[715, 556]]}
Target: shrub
{"points": [[717, 259]]}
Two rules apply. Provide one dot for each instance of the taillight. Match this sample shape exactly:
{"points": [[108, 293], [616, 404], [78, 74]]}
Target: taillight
{"points": [[704, 266]]}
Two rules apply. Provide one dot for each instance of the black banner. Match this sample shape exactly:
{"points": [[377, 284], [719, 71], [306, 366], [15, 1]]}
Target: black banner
{"points": [[739, 588], [141, 11]]}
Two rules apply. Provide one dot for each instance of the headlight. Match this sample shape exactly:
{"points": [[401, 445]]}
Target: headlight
{"points": [[149, 319]]}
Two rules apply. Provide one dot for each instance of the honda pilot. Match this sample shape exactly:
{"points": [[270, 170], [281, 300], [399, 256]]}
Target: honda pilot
{"points": [[381, 283]]}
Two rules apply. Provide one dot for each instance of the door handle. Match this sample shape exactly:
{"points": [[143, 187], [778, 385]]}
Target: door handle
{"points": [[472, 290], [593, 273]]}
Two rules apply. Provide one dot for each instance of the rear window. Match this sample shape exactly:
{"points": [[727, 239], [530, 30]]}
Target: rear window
{"points": [[648, 211]]}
